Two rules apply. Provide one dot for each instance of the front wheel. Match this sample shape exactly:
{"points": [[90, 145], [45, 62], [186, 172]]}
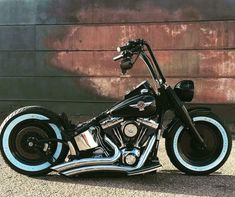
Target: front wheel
{"points": [[189, 157]]}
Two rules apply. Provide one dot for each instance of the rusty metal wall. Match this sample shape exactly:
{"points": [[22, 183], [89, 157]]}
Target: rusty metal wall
{"points": [[58, 53]]}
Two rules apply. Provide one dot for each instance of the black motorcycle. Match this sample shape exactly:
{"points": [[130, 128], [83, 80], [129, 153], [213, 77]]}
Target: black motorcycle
{"points": [[125, 138]]}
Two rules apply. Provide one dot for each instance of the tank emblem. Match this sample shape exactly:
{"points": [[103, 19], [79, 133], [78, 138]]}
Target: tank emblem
{"points": [[141, 105]]}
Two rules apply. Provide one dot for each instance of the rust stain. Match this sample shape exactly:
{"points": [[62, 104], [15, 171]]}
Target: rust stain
{"points": [[215, 90], [177, 30], [209, 35], [205, 63], [93, 65], [217, 63], [86, 63], [106, 87], [205, 35], [63, 60]]}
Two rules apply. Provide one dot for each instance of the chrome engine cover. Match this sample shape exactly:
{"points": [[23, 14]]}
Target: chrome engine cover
{"points": [[129, 133], [130, 157], [130, 129], [85, 141]]}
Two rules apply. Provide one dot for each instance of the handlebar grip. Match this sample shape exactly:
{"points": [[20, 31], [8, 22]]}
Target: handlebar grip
{"points": [[132, 45], [118, 57], [123, 48]]}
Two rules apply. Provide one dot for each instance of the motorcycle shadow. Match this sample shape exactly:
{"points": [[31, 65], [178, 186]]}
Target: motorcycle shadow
{"points": [[172, 182]]}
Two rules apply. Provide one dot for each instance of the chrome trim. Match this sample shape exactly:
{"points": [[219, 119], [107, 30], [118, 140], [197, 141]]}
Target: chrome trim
{"points": [[159, 134], [150, 123], [90, 161], [125, 153], [110, 122], [125, 130], [71, 148], [119, 137], [145, 155], [145, 171], [94, 169], [85, 141], [124, 169], [140, 137], [144, 91]]}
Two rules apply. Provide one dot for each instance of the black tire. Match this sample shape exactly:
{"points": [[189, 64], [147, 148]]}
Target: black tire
{"points": [[24, 123], [187, 155]]}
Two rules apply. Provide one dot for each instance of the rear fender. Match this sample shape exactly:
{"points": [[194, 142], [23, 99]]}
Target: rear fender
{"points": [[52, 117], [192, 112]]}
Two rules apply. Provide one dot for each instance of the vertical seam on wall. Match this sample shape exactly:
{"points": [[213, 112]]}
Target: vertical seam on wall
{"points": [[34, 51]]}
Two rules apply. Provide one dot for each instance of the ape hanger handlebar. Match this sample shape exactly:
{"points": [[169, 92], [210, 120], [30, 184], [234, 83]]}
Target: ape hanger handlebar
{"points": [[140, 48]]}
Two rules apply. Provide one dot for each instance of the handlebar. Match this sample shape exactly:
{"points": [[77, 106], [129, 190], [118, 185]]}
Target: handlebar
{"points": [[131, 47], [137, 47]]}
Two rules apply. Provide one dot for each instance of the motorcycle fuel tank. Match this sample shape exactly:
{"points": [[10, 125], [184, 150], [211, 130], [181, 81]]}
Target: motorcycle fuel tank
{"points": [[137, 103]]}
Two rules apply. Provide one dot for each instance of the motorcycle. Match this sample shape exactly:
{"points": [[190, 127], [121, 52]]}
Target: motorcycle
{"points": [[125, 138]]}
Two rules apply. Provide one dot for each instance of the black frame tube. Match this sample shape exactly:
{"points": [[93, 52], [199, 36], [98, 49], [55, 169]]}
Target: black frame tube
{"points": [[162, 79], [149, 65]]}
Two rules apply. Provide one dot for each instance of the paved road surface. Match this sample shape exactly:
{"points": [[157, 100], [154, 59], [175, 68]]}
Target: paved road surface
{"points": [[167, 182]]}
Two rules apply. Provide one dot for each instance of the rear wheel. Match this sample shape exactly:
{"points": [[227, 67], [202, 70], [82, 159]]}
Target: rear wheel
{"points": [[28, 143], [188, 156]]}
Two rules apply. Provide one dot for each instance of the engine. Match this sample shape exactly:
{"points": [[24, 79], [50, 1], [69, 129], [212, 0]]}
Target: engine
{"points": [[131, 136]]}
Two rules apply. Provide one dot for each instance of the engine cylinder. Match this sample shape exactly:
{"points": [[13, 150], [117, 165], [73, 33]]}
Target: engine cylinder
{"points": [[129, 133]]}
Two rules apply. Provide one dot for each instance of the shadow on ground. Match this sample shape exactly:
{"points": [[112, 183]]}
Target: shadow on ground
{"points": [[165, 182]]}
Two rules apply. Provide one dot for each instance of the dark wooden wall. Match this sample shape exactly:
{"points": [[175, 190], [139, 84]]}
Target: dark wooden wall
{"points": [[58, 53]]}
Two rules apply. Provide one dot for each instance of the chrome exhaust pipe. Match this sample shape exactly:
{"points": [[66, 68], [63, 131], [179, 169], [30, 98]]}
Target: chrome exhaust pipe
{"points": [[115, 168], [90, 161], [104, 168]]}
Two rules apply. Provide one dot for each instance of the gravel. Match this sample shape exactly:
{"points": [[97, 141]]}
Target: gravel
{"points": [[168, 181]]}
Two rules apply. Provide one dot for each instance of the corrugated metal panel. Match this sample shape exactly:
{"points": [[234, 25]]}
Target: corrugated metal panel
{"points": [[185, 63], [17, 38]]}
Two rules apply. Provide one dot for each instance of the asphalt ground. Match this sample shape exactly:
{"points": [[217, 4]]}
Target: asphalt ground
{"points": [[167, 182]]}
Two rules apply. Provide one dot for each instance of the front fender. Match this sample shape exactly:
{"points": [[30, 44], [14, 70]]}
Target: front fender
{"points": [[192, 111]]}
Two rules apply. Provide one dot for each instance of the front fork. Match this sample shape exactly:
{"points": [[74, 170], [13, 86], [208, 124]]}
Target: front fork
{"points": [[184, 116]]}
